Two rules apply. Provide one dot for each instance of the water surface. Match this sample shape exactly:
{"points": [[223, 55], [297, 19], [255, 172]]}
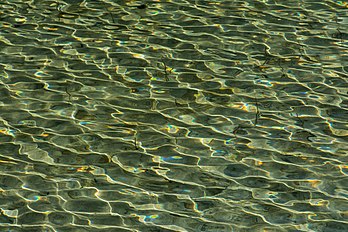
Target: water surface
{"points": [[173, 115]]}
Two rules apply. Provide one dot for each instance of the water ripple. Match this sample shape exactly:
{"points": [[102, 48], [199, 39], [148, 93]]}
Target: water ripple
{"points": [[173, 116]]}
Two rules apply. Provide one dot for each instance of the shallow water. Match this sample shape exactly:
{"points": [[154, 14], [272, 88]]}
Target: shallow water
{"points": [[173, 115]]}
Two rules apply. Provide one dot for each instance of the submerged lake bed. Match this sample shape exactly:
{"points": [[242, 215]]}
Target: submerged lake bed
{"points": [[173, 115]]}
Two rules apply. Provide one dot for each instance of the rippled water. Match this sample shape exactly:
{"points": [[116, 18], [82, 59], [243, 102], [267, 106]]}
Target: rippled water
{"points": [[173, 115]]}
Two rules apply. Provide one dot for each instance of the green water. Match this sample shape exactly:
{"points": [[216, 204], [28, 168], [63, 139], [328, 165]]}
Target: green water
{"points": [[174, 115]]}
